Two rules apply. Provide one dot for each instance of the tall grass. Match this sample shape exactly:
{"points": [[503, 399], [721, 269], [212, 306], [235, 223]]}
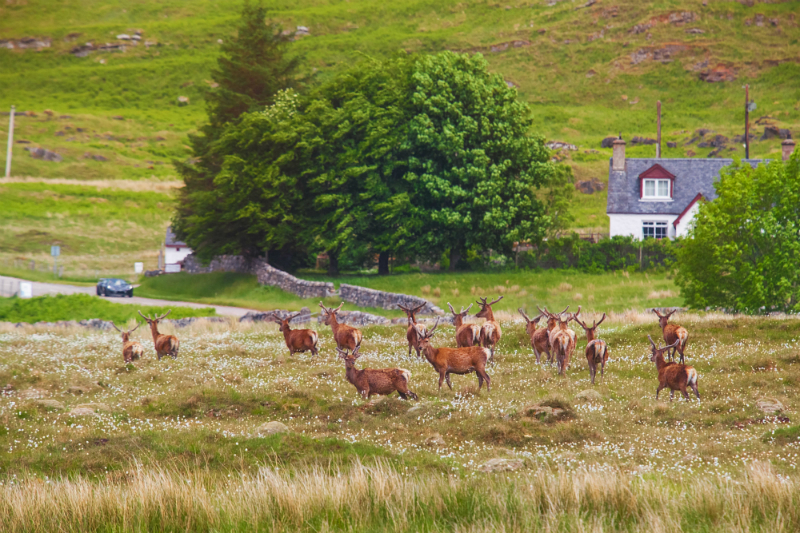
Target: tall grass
{"points": [[379, 498]]}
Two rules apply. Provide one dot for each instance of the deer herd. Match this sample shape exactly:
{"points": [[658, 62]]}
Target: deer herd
{"points": [[475, 347]]}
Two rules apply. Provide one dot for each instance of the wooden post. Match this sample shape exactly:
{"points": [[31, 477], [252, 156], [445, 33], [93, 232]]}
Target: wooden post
{"points": [[747, 121], [10, 141], [658, 132]]}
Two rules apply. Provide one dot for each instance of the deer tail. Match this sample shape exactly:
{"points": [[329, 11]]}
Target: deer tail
{"points": [[405, 373], [691, 376]]}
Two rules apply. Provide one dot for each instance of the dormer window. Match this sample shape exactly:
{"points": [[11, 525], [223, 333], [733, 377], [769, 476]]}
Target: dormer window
{"points": [[656, 189], [656, 184]]}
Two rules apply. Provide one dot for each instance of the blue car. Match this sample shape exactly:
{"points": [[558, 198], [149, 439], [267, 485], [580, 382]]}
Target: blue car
{"points": [[114, 287]]}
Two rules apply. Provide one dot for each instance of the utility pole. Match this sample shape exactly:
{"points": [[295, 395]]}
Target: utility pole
{"points": [[10, 141], [658, 134], [747, 121]]}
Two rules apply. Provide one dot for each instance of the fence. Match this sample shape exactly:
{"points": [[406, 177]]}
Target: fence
{"points": [[8, 288]]}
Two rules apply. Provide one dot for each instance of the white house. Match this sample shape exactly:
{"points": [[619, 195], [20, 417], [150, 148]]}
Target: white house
{"points": [[657, 197], [175, 252]]}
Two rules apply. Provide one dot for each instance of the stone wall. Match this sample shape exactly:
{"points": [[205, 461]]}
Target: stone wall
{"points": [[363, 297], [269, 275], [221, 263]]}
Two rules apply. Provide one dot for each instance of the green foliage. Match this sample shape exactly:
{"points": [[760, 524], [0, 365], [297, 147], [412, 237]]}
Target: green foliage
{"points": [[616, 253], [83, 307], [473, 163], [744, 248]]}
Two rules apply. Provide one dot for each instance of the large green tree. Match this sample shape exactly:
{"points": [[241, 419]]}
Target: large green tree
{"points": [[473, 162], [252, 68], [743, 250]]}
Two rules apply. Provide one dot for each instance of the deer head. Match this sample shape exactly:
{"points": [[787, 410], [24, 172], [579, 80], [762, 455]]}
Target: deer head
{"points": [[330, 313], [283, 324], [126, 335], [348, 358], [424, 339], [663, 319], [459, 317], [486, 309], [590, 331], [530, 325], [153, 322], [411, 311], [659, 352]]}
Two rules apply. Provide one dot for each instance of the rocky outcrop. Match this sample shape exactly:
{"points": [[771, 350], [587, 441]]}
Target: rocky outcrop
{"points": [[364, 297], [590, 186], [44, 154]]}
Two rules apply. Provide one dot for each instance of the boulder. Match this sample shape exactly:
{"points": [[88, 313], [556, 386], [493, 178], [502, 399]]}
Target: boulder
{"points": [[560, 145], [590, 186], [271, 428], [44, 154], [82, 411], [671, 144], [435, 440], [642, 140], [31, 394], [94, 407], [608, 142], [770, 132], [770, 406], [589, 395], [50, 404], [183, 100], [501, 465], [78, 390]]}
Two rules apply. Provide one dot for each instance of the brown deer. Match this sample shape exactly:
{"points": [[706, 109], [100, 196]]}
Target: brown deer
{"points": [[346, 337], [596, 349], [297, 340], [131, 350], [672, 333], [414, 330], [369, 382], [460, 361], [164, 344], [676, 376], [541, 338], [490, 331], [531, 329], [466, 334], [562, 340]]}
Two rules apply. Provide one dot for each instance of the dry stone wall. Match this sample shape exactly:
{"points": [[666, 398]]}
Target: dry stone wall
{"points": [[363, 297]]}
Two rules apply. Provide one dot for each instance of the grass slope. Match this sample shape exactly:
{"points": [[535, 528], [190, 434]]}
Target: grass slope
{"points": [[553, 288], [83, 307], [179, 441], [577, 65]]}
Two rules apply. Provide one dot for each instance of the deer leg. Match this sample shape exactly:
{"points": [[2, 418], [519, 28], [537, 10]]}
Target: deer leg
{"points": [[671, 394], [402, 395], [447, 378], [660, 386], [694, 388], [410, 347], [683, 391], [413, 396], [441, 379], [486, 379]]}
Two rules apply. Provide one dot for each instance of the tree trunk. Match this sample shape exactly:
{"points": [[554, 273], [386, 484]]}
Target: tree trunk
{"points": [[333, 264], [383, 264], [455, 257]]}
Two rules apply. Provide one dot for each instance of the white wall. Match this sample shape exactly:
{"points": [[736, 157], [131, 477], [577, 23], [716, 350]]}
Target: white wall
{"points": [[175, 255], [632, 224], [682, 229]]}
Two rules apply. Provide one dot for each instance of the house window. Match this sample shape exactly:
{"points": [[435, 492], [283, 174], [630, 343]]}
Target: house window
{"points": [[656, 189], [179, 249], [654, 230]]}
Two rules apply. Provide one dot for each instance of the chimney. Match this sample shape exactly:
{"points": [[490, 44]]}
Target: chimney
{"points": [[787, 147], [618, 157]]}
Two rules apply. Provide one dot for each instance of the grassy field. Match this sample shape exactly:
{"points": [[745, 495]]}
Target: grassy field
{"points": [[83, 307], [177, 445], [552, 288], [588, 71]]}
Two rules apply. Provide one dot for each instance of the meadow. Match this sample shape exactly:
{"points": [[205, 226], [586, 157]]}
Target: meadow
{"points": [[555, 289], [92, 443]]}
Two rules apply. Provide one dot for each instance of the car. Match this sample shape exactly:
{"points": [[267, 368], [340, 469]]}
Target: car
{"points": [[114, 287]]}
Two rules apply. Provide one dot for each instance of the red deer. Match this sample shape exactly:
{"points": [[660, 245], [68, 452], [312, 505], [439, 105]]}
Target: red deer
{"points": [[346, 337], [466, 334], [676, 376], [460, 361], [541, 338], [596, 349], [164, 344], [530, 329], [672, 333], [414, 330], [490, 331], [562, 340], [369, 382], [297, 340], [131, 350]]}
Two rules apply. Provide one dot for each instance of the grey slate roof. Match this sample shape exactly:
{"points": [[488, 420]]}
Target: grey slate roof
{"points": [[171, 239], [692, 176]]}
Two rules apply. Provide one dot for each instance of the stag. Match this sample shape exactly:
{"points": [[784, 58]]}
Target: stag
{"points": [[346, 337], [541, 338], [676, 376], [562, 340], [531, 329], [131, 350], [596, 349], [297, 340], [672, 333], [460, 361], [414, 330], [164, 344], [490, 331], [466, 334], [369, 382]]}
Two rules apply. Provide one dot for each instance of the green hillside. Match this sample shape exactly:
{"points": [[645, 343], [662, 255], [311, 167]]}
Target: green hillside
{"points": [[589, 69]]}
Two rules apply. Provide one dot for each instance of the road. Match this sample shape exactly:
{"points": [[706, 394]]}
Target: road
{"points": [[41, 289]]}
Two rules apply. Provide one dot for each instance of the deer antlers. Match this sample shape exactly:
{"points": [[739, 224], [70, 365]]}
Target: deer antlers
{"points": [[462, 309], [430, 332], [528, 320], [669, 314], [155, 319], [665, 347], [594, 325], [129, 331], [483, 303], [344, 354], [411, 309], [331, 310]]}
